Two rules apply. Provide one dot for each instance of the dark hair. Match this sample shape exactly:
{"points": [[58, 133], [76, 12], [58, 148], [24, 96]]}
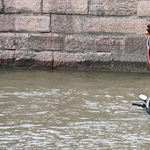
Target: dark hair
{"points": [[148, 26]]}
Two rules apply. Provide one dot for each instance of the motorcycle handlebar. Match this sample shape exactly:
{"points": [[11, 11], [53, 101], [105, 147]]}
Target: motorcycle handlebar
{"points": [[141, 105]]}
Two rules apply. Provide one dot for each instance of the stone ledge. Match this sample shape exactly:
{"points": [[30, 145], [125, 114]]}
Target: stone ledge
{"points": [[129, 66], [81, 60], [129, 57], [50, 60], [104, 61], [7, 54], [33, 59], [7, 58], [80, 57]]}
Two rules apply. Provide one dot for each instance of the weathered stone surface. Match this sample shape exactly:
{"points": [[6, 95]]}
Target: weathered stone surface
{"points": [[7, 23], [20, 54], [93, 24], [13, 40], [24, 23], [124, 25], [80, 57], [6, 58], [120, 57], [65, 6], [66, 23], [136, 45], [143, 8], [6, 54], [1, 5], [46, 42], [109, 43], [81, 60], [32, 23], [43, 56], [109, 7], [33, 59], [129, 66], [17, 6], [79, 43], [114, 25]]}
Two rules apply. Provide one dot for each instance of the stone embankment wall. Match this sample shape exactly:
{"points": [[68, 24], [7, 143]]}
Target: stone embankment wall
{"points": [[103, 34]]}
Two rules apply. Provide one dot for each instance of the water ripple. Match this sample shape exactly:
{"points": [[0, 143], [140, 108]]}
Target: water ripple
{"points": [[73, 110]]}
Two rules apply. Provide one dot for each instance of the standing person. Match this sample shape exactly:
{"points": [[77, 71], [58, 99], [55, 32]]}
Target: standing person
{"points": [[148, 45], [148, 33]]}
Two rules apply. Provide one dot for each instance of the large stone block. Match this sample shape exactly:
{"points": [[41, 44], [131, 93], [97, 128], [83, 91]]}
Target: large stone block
{"points": [[7, 23], [17, 6], [13, 40], [80, 57], [44, 60], [65, 6], [136, 45], [124, 25], [143, 8], [66, 23], [6, 58], [43, 56], [33, 59], [109, 43], [32, 23], [92, 24], [6, 54], [24, 23], [114, 25], [81, 60], [109, 7], [124, 57], [46, 42], [21, 54], [1, 5], [78, 43]]}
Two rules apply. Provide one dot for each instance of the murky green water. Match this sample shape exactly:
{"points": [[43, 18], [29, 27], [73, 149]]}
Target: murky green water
{"points": [[70, 109]]}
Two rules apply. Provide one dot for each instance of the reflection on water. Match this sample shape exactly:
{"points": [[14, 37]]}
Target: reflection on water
{"points": [[70, 109]]}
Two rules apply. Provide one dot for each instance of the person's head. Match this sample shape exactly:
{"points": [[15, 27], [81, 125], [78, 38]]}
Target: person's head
{"points": [[148, 26], [148, 30]]}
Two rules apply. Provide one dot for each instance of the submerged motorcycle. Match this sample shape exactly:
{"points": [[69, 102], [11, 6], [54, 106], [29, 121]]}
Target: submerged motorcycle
{"points": [[147, 102]]}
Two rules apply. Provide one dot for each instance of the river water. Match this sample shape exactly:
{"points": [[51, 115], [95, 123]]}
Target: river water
{"points": [[72, 109]]}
